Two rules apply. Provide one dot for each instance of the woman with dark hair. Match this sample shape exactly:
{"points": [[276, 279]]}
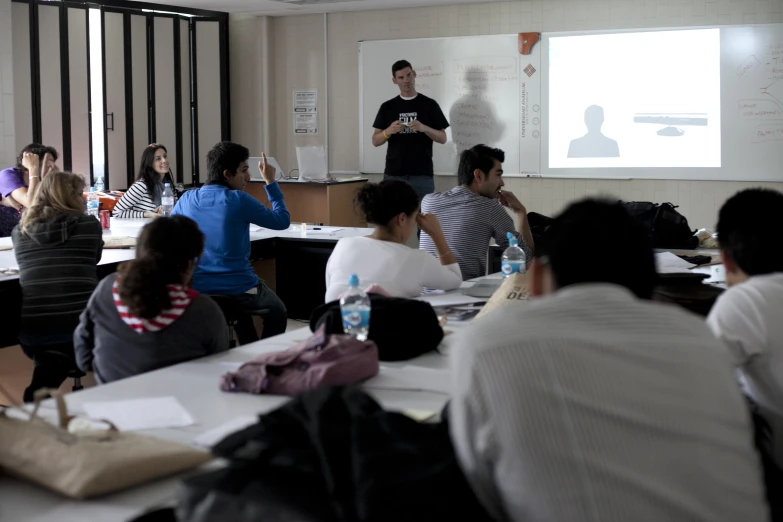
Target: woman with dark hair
{"points": [[142, 199], [18, 184], [146, 316], [57, 247], [383, 258]]}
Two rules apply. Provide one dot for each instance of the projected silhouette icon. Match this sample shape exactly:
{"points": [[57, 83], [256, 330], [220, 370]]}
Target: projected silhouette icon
{"points": [[594, 144]]}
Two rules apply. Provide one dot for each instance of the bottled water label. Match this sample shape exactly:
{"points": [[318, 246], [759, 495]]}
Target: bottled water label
{"points": [[512, 267], [356, 319]]}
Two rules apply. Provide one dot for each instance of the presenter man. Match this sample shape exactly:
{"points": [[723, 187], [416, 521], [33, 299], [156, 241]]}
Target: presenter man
{"points": [[410, 123]]}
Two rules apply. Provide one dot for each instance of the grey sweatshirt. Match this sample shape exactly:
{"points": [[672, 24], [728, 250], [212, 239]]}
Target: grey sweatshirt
{"points": [[108, 346]]}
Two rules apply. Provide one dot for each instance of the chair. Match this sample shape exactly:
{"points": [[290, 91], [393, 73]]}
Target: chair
{"points": [[73, 372], [238, 318]]}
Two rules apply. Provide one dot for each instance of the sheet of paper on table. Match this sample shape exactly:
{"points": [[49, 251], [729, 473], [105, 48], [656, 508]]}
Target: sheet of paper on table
{"points": [[141, 414]]}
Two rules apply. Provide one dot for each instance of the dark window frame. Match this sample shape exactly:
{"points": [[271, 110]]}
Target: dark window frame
{"points": [[192, 16]]}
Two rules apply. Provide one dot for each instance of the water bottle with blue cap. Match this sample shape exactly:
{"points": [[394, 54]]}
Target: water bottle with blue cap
{"points": [[355, 309], [513, 261]]}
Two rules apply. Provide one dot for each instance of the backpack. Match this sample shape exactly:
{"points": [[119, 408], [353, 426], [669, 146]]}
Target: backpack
{"points": [[401, 328], [667, 227]]}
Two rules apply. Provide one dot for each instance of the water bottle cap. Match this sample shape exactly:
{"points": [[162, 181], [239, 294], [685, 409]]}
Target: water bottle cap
{"points": [[353, 280], [167, 184]]}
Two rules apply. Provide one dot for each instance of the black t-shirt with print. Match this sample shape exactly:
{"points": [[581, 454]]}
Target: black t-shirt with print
{"points": [[409, 153]]}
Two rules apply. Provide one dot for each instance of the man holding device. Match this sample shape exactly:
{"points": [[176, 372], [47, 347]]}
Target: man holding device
{"points": [[410, 123]]}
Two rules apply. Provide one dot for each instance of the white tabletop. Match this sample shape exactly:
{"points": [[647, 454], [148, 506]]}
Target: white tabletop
{"points": [[132, 228], [420, 384]]}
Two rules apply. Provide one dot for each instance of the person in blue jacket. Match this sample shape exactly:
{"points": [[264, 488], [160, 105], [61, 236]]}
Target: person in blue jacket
{"points": [[224, 212]]}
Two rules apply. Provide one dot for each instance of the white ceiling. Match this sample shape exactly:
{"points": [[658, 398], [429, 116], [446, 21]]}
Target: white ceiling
{"points": [[286, 7]]}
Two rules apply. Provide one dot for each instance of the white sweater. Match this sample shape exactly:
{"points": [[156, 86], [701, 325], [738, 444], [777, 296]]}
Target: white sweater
{"points": [[400, 270]]}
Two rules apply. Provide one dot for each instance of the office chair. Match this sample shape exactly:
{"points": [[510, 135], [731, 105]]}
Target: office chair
{"points": [[239, 320]]}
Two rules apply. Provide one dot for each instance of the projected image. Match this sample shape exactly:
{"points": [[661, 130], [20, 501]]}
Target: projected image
{"points": [[649, 99]]}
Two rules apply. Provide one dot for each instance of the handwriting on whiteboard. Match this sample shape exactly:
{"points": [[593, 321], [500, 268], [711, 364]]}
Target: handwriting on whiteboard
{"points": [[759, 110], [751, 62], [768, 132]]}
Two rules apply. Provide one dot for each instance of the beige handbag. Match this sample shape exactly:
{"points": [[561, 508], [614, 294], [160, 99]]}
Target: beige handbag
{"points": [[512, 292], [88, 463]]}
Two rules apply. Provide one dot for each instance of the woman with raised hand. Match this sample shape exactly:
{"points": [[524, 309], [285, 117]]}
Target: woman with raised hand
{"points": [[146, 316], [57, 248], [383, 258], [142, 199]]}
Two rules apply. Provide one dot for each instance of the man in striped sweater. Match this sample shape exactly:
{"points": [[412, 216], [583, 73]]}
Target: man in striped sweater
{"points": [[473, 213]]}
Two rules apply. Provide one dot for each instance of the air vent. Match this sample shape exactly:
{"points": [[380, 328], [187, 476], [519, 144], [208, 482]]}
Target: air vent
{"points": [[313, 2]]}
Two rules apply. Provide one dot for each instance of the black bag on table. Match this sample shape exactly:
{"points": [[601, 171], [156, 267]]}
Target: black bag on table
{"points": [[333, 454], [402, 328], [668, 228]]}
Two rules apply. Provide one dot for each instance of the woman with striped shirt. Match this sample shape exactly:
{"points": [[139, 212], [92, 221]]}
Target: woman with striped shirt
{"points": [[142, 199], [57, 247]]}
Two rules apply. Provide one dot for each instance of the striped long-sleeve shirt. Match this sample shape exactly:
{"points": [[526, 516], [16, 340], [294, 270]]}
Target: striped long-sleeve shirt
{"points": [[57, 272], [135, 202], [469, 221], [591, 405]]}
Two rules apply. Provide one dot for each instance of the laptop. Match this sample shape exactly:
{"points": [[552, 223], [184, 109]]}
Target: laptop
{"points": [[255, 174]]}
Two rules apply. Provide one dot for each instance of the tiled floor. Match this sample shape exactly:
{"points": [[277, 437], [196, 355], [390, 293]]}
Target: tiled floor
{"points": [[16, 369]]}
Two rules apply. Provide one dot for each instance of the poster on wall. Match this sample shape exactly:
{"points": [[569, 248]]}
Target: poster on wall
{"points": [[305, 101], [306, 123]]}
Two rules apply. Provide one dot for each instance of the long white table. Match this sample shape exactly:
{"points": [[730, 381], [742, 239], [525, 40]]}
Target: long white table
{"points": [[132, 228], [419, 384]]}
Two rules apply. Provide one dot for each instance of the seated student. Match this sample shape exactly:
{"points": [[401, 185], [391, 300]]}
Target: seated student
{"points": [[142, 199], [748, 316], [472, 213], [383, 258], [590, 402], [18, 185], [224, 213], [58, 248], [146, 316]]}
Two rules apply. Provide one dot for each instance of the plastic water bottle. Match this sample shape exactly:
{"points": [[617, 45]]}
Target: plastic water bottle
{"points": [[167, 200], [99, 184], [513, 261], [93, 204], [355, 309]]}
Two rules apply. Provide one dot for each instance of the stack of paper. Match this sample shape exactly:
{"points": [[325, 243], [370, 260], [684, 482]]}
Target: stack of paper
{"points": [[141, 414], [668, 263]]}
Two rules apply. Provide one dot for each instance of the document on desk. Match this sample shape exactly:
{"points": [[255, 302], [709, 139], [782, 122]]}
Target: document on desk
{"points": [[450, 299], [410, 378], [210, 438], [668, 263], [141, 414]]}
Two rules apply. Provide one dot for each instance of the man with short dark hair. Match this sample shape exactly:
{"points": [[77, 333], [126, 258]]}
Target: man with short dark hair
{"points": [[410, 123], [748, 317], [590, 402], [473, 213], [224, 212]]}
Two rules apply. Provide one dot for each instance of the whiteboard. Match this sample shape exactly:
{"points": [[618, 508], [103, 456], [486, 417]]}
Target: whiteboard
{"points": [[487, 90], [735, 83]]}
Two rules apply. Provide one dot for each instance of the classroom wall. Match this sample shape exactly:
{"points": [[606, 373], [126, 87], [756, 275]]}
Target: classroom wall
{"points": [[298, 64], [7, 120]]}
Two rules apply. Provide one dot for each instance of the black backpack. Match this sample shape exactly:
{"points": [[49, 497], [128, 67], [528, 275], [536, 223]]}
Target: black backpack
{"points": [[668, 228], [402, 328]]}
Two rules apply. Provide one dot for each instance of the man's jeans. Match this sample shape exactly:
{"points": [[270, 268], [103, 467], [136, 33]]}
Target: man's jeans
{"points": [[423, 185], [275, 321]]}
